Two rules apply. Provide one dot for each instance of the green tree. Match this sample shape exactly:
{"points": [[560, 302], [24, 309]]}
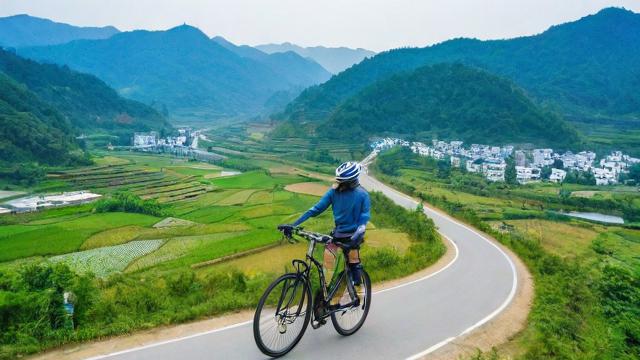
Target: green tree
{"points": [[510, 175], [444, 169], [558, 164], [634, 173]]}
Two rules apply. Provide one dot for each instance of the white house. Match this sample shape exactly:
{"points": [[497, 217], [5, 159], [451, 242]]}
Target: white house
{"points": [[494, 171], [527, 174], [472, 167], [557, 175], [145, 139]]}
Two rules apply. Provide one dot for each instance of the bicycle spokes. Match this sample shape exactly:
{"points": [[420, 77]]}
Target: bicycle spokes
{"points": [[282, 315]]}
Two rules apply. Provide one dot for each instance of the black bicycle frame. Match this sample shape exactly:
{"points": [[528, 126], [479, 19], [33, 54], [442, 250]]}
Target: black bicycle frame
{"points": [[303, 269]]}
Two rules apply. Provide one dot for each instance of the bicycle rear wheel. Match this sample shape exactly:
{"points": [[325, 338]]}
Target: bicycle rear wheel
{"points": [[282, 315], [348, 321]]}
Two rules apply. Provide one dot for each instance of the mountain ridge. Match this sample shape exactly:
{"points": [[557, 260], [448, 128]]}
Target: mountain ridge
{"points": [[83, 100], [334, 59], [581, 67], [183, 69], [24, 30]]}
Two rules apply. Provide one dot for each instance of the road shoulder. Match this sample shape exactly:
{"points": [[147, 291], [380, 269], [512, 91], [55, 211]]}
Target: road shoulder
{"points": [[499, 330]]}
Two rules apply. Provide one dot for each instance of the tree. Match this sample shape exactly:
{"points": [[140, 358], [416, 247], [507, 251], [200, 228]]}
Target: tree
{"points": [[634, 173], [510, 174], [545, 173], [558, 164], [444, 169]]}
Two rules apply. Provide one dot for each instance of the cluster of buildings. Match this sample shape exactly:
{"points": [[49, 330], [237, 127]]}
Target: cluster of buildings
{"points": [[186, 138], [39, 202], [490, 161], [184, 144]]}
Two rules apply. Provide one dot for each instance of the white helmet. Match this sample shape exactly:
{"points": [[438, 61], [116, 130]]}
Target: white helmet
{"points": [[348, 171]]}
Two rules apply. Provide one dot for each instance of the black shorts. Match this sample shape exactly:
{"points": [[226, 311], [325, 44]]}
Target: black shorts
{"points": [[347, 244]]}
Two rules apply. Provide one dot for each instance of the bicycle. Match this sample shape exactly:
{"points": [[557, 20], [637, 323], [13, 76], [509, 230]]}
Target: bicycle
{"points": [[286, 307]]}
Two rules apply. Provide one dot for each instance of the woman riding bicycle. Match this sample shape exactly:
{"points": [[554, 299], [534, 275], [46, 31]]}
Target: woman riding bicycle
{"points": [[351, 206]]}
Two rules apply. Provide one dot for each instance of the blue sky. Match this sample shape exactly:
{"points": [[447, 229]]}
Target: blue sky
{"points": [[372, 24]]}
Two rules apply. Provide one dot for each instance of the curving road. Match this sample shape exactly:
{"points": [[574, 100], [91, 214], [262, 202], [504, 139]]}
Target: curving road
{"points": [[407, 321]]}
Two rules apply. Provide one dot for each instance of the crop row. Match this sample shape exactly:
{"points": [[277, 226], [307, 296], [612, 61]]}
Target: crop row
{"points": [[183, 196], [108, 260], [166, 189]]}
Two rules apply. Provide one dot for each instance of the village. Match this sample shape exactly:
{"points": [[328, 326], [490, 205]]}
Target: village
{"points": [[184, 144], [530, 165]]}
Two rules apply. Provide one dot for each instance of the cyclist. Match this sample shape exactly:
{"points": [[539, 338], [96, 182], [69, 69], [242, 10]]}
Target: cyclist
{"points": [[351, 212]]}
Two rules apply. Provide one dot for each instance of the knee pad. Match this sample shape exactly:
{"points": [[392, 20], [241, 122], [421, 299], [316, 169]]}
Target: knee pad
{"points": [[356, 273]]}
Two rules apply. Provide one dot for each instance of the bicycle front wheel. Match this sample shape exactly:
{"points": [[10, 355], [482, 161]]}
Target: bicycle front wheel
{"points": [[348, 321], [282, 315]]}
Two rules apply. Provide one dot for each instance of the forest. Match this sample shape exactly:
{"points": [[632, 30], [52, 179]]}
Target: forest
{"points": [[449, 101]]}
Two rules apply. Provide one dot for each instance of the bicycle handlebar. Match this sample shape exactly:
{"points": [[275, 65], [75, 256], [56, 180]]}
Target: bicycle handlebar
{"points": [[317, 237]]}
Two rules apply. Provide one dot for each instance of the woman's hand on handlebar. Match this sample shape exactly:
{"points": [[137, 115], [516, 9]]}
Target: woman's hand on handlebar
{"points": [[286, 229]]}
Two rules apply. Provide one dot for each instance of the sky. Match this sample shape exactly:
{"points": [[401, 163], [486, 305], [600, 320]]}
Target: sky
{"points": [[372, 24]]}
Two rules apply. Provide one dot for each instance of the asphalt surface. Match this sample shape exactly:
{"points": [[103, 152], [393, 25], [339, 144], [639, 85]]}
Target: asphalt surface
{"points": [[407, 321]]}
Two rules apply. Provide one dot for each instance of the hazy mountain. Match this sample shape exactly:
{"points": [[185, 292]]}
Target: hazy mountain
{"points": [[183, 69], [83, 100], [587, 67], [334, 59], [450, 101], [24, 30], [294, 68]]}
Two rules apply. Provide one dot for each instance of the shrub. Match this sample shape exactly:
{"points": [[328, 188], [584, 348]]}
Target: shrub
{"points": [[127, 202]]}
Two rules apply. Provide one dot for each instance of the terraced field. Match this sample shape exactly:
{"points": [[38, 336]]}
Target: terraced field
{"points": [[217, 216]]}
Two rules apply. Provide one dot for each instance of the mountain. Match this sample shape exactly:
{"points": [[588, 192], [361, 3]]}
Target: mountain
{"points": [[334, 59], [586, 67], [31, 130], [183, 69], [450, 101], [24, 30], [295, 69], [84, 100]]}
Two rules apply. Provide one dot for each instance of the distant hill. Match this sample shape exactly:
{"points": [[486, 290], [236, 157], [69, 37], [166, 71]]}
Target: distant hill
{"points": [[183, 69], [31, 130], [587, 67], [334, 59], [84, 100], [24, 30], [295, 69], [449, 101]]}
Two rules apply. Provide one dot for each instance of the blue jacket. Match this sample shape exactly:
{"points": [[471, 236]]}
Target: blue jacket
{"points": [[351, 208]]}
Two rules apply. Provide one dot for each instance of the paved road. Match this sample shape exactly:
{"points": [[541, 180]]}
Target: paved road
{"points": [[404, 322]]}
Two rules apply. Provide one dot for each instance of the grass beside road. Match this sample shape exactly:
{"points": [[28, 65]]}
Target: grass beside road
{"points": [[587, 275]]}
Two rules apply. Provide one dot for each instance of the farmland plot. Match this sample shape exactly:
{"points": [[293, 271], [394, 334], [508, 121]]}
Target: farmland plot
{"points": [[107, 260]]}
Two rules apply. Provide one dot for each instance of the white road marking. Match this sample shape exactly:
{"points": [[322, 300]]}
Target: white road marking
{"points": [[514, 285], [512, 293]]}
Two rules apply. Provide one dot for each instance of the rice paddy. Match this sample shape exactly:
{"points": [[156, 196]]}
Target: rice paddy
{"points": [[211, 216]]}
